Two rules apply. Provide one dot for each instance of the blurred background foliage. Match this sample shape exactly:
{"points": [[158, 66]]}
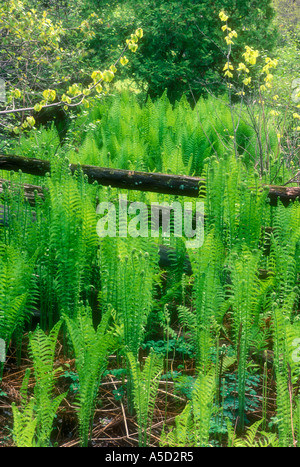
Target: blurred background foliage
{"points": [[182, 46], [181, 53]]}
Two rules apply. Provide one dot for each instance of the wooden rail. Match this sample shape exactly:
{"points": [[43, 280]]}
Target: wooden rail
{"points": [[142, 181], [133, 180], [30, 191]]}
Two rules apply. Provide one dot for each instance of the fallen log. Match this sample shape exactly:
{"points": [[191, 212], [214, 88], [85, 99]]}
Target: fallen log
{"points": [[177, 185]]}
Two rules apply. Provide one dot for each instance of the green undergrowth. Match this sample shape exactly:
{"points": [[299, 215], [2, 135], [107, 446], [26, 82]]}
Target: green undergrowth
{"points": [[112, 295], [122, 132]]}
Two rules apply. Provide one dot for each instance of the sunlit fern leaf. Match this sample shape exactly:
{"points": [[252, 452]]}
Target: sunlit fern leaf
{"points": [[145, 385], [91, 349], [202, 405], [25, 424], [254, 438], [193, 423], [42, 351], [181, 435]]}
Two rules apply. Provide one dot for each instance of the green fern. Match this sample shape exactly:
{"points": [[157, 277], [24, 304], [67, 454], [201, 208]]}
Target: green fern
{"points": [[284, 254], [193, 424], [127, 277], [42, 351], [245, 299], [253, 438], [283, 336], [33, 420], [145, 385], [91, 348], [208, 298], [16, 279], [25, 424]]}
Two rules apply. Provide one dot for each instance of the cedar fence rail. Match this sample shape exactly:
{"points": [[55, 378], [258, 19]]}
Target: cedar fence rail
{"points": [[130, 180], [180, 185]]}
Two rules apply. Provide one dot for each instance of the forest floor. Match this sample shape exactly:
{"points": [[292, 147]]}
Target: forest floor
{"points": [[113, 426]]}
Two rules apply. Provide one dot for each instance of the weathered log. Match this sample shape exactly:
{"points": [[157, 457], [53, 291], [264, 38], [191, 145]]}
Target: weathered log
{"points": [[286, 194], [30, 191], [181, 185], [25, 164], [116, 178]]}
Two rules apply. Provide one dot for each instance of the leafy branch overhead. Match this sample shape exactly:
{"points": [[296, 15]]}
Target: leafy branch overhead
{"points": [[39, 52]]}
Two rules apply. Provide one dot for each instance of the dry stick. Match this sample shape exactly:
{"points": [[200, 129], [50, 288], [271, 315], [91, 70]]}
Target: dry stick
{"points": [[267, 136], [172, 395], [239, 114], [260, 136], [70, 444], [162, 421], [294, 179], [113, 422], [256, 129], [123, 410]]}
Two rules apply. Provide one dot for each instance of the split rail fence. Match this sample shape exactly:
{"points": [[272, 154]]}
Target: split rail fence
{"points": [[179, 185]]}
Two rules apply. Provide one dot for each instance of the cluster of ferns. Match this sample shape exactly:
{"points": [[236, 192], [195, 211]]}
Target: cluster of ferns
{"points": [[104, 296]]}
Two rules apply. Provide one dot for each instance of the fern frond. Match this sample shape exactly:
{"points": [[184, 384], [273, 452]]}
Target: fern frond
{"points": [[193, 424], [91, 350], [24, 425], [145, 385]]}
